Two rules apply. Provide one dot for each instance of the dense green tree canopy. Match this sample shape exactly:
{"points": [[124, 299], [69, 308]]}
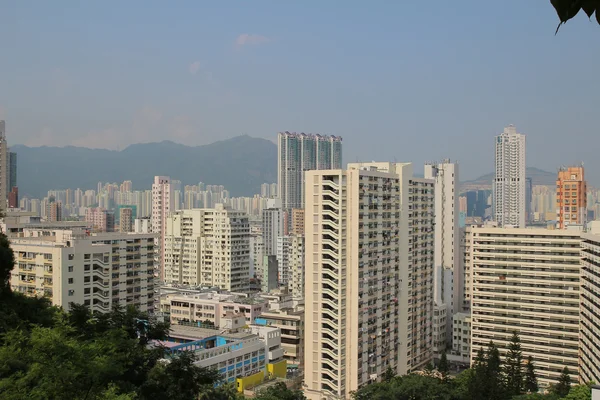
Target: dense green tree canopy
{"points": [[489, 378], [47, 353]]}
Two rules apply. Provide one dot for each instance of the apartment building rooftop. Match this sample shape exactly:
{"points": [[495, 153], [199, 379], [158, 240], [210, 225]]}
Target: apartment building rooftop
{"points": [[190, 332], [218, 296]]}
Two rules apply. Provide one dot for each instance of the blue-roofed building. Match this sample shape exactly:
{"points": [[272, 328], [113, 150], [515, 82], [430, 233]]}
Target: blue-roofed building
{"points": [[244, 356]]}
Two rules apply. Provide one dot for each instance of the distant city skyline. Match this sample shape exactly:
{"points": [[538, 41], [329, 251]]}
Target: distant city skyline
{"points": [[471, 174]]}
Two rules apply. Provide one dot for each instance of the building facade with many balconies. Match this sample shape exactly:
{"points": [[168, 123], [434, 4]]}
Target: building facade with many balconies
{"points": [[97, 270], [527, 281], [368, 276]]}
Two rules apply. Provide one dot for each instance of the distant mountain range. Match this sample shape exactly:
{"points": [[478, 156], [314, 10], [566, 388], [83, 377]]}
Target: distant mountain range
{"points": [[538, 177], [241, 164]]}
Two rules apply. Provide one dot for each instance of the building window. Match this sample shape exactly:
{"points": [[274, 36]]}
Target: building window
{"points": [[70, 268], [71, 292], [71, 280], [71, 257]]}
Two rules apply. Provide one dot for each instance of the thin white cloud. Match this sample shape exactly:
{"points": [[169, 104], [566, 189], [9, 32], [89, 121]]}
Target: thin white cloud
{"points": [[250, 39], [195, 67]]}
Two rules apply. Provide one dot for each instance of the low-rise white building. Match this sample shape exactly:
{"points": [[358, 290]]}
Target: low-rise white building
{"points": [[245, 357], [210, 307], [461, 337]]}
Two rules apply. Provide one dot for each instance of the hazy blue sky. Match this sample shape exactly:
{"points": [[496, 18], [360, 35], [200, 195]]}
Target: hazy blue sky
{"points": [[404, 80]]}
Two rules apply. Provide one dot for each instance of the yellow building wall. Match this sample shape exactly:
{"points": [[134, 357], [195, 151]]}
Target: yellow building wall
{"points": [[249, 381], [278, 369]]}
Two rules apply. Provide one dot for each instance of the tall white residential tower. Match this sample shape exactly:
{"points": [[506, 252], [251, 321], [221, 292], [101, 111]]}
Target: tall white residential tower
{"points": [[509, 181], [368, 276], [447, 262], [162, 205]]}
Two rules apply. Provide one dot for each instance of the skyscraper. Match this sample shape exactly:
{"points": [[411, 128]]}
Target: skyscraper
{"points": [[446, 279], [300, 152], [12, 171], [509, 182], [296, 260], [368, 278], [126, 219], [100, 219], [4, 165], [54, 211], [162, 205], [208, 247], [126, 186], [13, 198], [571, 197], [528, 200], [272, 227]]}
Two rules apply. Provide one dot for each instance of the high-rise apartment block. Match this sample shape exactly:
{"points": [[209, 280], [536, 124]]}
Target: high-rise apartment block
{"points": [[98, 270], [54, 211], [273, 226], [571, 197], [447, 261], [369, 277], [208, 247], [528, 200], [100, 219], [297, 223], [256, 253], [509, 182], [4, 165], [527, 281], [126, 186], [296, 266], [421, 270], [283, 252], [126, 219], [13, 198], [162, 205], [12, 170], [269, 274], [268, 190], [589, 342], [297, 153]]}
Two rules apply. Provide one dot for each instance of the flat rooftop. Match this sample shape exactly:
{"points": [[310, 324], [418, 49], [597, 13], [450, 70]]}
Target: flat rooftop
{"points": [[197, 333]]}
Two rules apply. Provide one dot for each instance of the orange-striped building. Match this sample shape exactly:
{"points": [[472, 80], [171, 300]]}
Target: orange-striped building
{"points": [[571, 197]]}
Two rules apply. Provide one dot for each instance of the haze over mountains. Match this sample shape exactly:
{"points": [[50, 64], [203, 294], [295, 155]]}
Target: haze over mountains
{"points": [[241, 164], [538, 177]]}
